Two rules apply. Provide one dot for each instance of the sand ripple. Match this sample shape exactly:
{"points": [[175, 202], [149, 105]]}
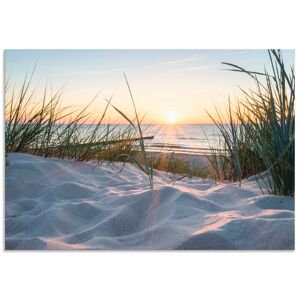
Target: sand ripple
{"points": [[59, 204]]}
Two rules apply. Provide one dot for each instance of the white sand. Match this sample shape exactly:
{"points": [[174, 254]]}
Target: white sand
{"points": [[59, 204]]}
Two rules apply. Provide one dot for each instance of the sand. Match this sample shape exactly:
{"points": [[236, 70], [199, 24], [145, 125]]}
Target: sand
{"points": [[60, 204]]}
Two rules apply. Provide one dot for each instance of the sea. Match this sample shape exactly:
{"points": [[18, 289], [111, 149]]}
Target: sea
{"points": [[194, 139], [183, 139]]}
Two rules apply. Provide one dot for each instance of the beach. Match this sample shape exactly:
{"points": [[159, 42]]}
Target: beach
{"points": [[58, 204], [106, 175], [149, 150]]}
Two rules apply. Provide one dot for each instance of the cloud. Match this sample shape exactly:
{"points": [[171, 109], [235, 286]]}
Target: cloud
{"points": [[91, 73], [241, 52], [194, 57], [195, 68]]}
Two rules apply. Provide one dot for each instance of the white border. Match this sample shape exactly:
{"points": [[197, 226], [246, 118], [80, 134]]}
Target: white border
{"points": [[149, 24]]}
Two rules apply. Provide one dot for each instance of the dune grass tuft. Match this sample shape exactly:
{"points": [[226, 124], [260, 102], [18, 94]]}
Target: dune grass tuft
{"points": [[145, 164], [260, 133], [40, 125], [178, 167]]}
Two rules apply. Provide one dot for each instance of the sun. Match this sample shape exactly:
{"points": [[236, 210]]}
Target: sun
{"points": [[171, 117]]}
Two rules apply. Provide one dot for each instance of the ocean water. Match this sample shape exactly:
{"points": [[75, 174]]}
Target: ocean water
{"points": [[186, 139]]}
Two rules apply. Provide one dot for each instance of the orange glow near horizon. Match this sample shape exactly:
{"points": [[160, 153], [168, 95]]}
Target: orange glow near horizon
{"points": [[150, 111], [168, 86]]}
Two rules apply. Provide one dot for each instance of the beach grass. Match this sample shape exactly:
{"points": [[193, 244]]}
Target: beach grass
{"points": [[49, 129], [233, 159], [259, 132], [144, 163], [179, 167]]}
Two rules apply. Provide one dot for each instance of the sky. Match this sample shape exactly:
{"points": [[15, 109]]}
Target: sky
{"points": [[169, 86]]}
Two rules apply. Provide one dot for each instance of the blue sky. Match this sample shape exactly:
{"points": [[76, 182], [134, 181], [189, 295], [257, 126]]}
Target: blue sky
{"points": [[183, 83]]}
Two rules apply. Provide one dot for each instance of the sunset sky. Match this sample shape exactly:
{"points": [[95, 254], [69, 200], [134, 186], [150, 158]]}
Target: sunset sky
{"points": [[170, 86]]}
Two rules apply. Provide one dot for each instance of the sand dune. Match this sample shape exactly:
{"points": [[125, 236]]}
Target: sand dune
{"points": [[60, 204]]}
